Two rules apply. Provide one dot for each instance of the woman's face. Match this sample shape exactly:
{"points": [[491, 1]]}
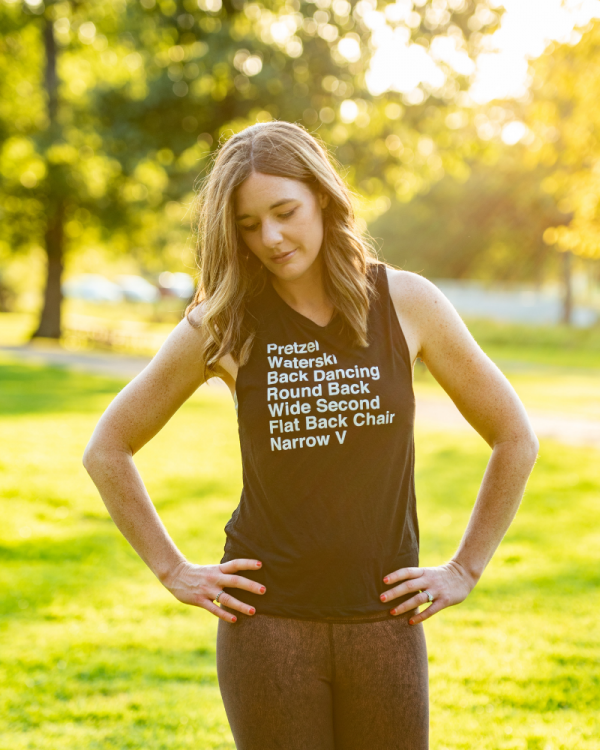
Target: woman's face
{"points": [[280, 221]]}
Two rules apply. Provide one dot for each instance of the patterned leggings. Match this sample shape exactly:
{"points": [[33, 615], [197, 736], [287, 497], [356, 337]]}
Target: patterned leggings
{"points": [[304, 685]]}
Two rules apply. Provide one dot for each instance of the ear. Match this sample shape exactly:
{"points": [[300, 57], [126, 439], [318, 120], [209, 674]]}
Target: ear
{"points": [[324, 200]]}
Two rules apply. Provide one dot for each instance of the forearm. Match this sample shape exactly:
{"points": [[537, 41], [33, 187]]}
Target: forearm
{"points": [[497, 503], [126, 498]]}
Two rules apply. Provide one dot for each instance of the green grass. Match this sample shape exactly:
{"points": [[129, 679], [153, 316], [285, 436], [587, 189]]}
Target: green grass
{"points": [[97, 654], [574, 393], [521, 345]]}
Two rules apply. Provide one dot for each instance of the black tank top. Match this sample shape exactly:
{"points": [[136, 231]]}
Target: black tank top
{"points": [[326, 433]]}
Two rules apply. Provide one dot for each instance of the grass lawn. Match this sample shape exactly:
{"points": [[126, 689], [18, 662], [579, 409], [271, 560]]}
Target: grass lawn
{"points": [[544, 388], [97, 654]]}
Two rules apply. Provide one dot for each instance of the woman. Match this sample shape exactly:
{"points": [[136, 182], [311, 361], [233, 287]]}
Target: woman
{"points": [[320, 642]]}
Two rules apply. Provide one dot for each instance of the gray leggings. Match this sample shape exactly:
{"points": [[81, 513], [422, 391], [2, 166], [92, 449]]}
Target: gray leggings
{"points": [[304, 685]]}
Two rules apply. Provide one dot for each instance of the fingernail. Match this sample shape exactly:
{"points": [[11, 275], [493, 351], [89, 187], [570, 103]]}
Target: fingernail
{"points": [[252, 610], [258, 564], [382, 597], [411, 622], [262, 589], [386, 580], [392, 611], [234, 619]]}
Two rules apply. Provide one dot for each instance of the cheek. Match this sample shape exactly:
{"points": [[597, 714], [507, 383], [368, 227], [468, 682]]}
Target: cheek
{"points": [[309, 233], [315, 239]]}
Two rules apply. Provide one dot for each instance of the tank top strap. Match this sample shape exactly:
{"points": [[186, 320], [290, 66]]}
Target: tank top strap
{"points": [[384, 310]]}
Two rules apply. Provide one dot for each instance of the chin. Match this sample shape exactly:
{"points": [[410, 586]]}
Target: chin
{"points": [[295, 269], [285, 274], [289, 272]]}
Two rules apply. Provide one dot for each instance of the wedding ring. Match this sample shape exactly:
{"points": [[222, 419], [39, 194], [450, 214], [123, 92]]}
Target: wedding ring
{"points": [[429, 596], [218, 595]]}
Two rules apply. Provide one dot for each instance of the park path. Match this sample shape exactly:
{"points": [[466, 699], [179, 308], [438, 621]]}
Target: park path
{"points": [[432, 411]]}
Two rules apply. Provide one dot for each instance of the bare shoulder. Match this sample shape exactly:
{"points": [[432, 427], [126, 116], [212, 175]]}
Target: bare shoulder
{"points": [[411, 292], [442, 340], [423, 311], [196, 316], [226, 368]]}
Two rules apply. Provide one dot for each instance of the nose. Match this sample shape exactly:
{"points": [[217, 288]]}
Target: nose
{"points": [[271, 234]]}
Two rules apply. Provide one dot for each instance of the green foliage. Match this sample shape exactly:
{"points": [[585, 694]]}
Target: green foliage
{"points": [[110, 111], [96, 653], [480, 228], [504, 211], [564, 121]]}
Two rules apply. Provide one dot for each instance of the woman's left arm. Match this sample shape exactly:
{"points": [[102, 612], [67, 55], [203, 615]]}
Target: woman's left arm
{"points": [[489, 403]]}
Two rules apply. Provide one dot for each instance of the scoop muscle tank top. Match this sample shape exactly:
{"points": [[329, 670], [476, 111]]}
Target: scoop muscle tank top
{"points": [[326, 434]]}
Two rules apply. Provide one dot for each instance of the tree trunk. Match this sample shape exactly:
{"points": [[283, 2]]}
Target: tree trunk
{"points": [[49, 325], [567, 289]]}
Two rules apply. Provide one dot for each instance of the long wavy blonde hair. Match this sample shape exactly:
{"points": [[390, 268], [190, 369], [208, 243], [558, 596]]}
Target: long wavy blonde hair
{"points": [[231, 275]]}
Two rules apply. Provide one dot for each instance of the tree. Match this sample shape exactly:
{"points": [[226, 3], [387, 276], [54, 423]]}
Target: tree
{"points": [[564, 140], [489, 226], [133, 97]]}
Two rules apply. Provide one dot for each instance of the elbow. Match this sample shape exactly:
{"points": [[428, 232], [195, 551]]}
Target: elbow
{"points": [[535, 445], [532, 443], [89, 458], [524, 444], [535, 449], [530, 446], [99, 454], [94, 457]]}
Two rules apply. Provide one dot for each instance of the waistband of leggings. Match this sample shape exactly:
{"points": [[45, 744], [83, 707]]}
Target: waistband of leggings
{"points": [[354, 619]]}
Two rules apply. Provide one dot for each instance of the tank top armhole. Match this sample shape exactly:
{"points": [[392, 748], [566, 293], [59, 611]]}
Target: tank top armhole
{"points": [[387, 303]]}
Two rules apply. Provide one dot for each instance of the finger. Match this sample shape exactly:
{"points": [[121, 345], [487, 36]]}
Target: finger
{"points": [[239, 582], [414, 584], [233, 603], [221, 613], [411, 603], [402, 574], [426, 613], [239, 564]]}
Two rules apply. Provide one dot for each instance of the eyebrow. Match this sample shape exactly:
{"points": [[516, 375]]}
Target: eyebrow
{"points": [[279, 203]]}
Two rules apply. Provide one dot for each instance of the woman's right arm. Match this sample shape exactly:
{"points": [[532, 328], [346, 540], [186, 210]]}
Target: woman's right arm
{"points": [[139, 411]]}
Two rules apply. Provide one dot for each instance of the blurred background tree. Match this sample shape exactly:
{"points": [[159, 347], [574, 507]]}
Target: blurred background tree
{"points": [[488, 226], [110, 111], [564, 140], [533, 190]]}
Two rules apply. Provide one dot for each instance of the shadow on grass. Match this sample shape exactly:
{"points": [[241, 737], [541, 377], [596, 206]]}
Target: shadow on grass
{"points": [[31, 389], [81, 567]]}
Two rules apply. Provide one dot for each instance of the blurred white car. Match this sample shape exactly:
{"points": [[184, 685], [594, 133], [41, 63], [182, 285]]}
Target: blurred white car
{"points": [[93, 288], [137, 289], [177, 284]]}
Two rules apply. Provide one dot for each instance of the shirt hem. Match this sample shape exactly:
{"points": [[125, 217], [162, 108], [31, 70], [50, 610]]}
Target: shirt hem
{"points": [[335, 620], [336, 614]]}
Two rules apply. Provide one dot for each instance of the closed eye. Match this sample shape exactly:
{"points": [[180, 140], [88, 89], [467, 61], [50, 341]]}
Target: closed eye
{"points": [[281, 216]]}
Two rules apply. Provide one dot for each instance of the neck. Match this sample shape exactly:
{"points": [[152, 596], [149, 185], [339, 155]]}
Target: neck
{"points": [[306, 294]]}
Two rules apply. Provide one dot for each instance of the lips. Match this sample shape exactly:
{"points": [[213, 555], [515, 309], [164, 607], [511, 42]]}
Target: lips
{"points": [[283, 257]]}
